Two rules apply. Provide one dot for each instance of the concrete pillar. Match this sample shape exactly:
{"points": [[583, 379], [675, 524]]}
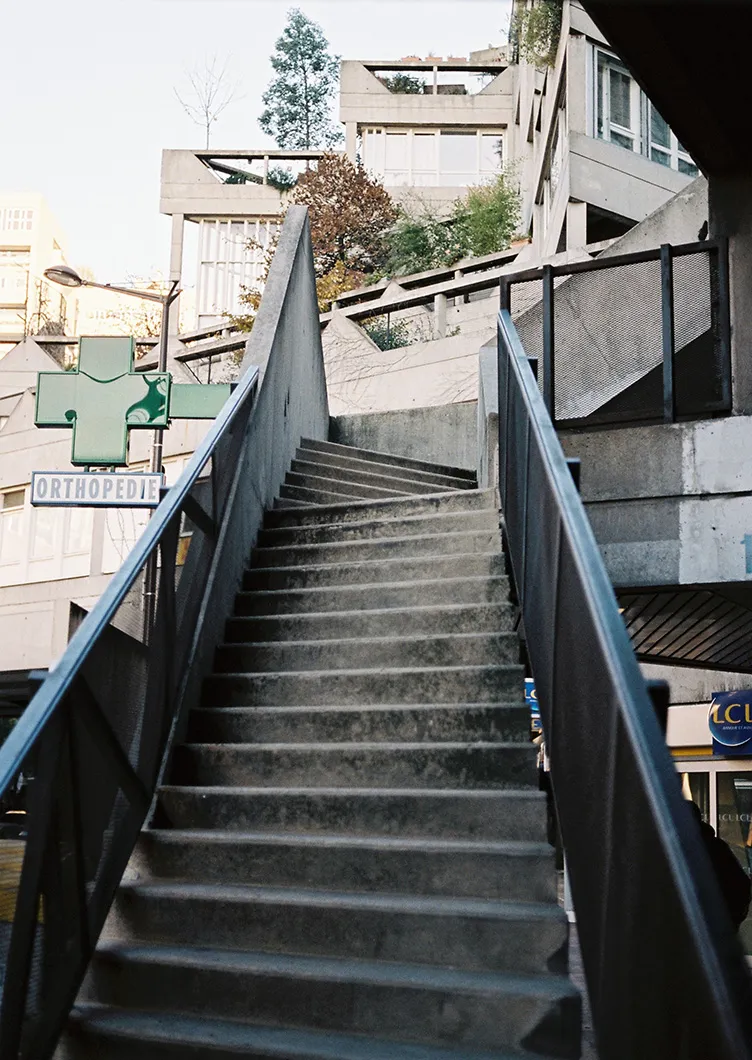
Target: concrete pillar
{"points": [[351, 140], [576, 225], [439, 316], [730, 215], [176, 266]]}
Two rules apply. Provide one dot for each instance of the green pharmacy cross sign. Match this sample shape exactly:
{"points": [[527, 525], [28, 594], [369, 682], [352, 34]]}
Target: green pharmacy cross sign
{"points": [[104, 399]]}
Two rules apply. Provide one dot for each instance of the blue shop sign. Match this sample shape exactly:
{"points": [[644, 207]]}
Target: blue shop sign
{"points": [[532, 701], [730, 723]]}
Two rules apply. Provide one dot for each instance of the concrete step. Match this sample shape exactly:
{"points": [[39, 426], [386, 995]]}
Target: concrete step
{"points": [[511, 870], [390, 622], [474, 934], [456, 649], [495, 765], [338, 688], [431, 1005], [481, 590], [98, 1031], [377, 548], [375, 475], [307, 498], [395, 508], [444, 814], [370, 526], [387, 458], [373, 571], [358, 490], [347, 462], [504, 723]]}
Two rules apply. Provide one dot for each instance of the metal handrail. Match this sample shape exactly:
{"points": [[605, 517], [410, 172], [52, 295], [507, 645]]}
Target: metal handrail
{"points": [[62, 674], [93, 744], [717, 250], [666, 978]]}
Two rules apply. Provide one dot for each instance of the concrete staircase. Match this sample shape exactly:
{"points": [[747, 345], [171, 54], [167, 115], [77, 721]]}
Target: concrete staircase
{"points": [[349, 862]]}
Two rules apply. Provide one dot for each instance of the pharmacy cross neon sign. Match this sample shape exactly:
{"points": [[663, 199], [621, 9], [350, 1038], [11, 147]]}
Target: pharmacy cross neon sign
{"points": [[103, 399]]}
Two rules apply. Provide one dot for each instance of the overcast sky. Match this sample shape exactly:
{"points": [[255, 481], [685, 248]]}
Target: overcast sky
{"points": [[87, 101]]}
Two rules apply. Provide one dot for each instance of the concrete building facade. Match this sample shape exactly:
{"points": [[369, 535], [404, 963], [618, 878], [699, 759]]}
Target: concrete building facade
{"points": [[30, 240]]}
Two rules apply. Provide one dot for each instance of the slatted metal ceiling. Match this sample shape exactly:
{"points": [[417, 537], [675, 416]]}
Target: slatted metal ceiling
{"points": [[692, 627]]}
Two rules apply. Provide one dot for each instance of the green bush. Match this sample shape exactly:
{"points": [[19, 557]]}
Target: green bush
{"points": [[404, 84], [481, 224], [388, 335]]}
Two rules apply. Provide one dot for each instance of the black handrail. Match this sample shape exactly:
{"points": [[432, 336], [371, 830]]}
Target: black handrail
{"points": [[37, 715], [86, 757], [666, 977]]}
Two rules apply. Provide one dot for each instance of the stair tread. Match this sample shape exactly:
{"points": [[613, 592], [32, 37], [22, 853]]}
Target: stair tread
{"points": [[473, 794], [347, 461], [417, 638], [342, 970], [247, 1039], [371, 564], [360, 671], [428, 905], [384, 503], [375, 708], [324, 445], [509, 847], [376, 540]]}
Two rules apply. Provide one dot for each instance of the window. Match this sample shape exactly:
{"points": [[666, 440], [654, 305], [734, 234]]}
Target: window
{"points": [[11, 525], [17, 220], [79, 522], [432, 157], [626, 117], [231, 256], [46, 531]]}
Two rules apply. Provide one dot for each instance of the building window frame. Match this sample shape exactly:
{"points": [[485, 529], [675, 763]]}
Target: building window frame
{"points": [[638, 134], [437, 176]]}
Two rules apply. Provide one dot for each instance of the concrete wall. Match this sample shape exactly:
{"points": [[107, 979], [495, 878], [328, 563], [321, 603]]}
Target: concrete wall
{"points": [[365, 100], [443, 434], [190, 189], [670, 505]]}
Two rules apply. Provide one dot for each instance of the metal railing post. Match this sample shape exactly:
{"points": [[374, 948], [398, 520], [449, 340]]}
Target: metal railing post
{"points": [[667, 332], [549, 382], [724, 320]]}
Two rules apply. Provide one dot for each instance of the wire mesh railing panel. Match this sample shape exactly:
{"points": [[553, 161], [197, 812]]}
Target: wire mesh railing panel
{"points": [[637, 338], [667, 980], [607, 339]]}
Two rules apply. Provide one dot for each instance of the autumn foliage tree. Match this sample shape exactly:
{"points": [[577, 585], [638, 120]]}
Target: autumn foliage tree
{"points": [[349, 212]]}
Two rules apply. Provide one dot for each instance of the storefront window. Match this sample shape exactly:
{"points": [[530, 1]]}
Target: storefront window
{"points": [[734, 826], [696, 788]]}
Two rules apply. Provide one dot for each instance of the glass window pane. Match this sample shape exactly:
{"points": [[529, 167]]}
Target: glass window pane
{"points": [[46, 533], [490, 153], [734, 826], [689, 168], [659, 131], [424, 152], [396, 151], [622, 140], [11, 536], [458, 152], [78, 534], [620, 98], [662, 157]]}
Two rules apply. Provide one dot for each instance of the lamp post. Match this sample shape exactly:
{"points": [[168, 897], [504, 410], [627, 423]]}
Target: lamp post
{"points": [[68, 277]]}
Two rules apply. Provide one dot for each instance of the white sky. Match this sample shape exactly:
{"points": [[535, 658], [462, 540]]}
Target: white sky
{"points": [[87, 102]]}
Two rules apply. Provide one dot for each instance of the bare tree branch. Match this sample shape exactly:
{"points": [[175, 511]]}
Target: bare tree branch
{"points": [[210, 91]]}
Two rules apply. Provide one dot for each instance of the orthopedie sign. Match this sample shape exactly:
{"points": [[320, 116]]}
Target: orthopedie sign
{"points": [[730, 723], [95, 489]]}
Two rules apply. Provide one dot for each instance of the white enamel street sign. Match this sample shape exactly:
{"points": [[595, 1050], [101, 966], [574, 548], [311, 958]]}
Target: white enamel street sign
{"points": [[95, 489]]}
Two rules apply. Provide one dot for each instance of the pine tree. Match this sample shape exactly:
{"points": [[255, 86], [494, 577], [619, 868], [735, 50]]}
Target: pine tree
{"points": [[298, 99]]}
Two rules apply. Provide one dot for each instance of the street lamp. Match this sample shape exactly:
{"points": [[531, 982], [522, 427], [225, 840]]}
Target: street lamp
{"points": [[68, 277]]}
